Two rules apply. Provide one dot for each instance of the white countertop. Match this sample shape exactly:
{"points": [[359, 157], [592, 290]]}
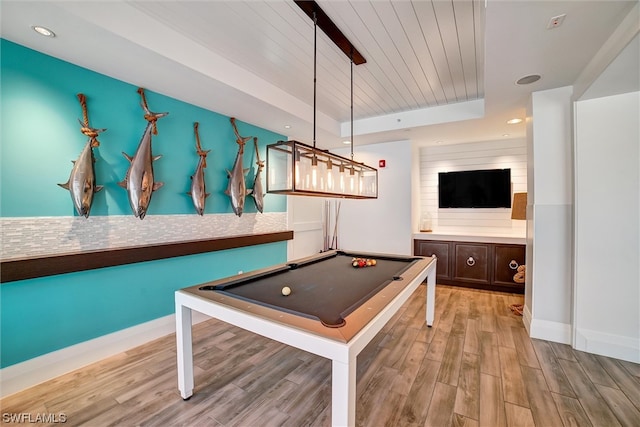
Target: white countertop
{"points": [[516, 237]]}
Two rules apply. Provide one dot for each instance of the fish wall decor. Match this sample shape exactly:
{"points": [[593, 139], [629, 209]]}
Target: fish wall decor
{"points": [[198, 191], [258, 191], [237, 187], [82, 180], [139, 181]]}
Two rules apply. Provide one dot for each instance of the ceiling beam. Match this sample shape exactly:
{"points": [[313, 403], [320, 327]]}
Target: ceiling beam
{"points": [[326, 24]]}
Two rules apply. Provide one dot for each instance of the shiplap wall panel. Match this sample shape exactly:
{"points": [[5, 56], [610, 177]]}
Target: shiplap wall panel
{"points": [[502, 154]]}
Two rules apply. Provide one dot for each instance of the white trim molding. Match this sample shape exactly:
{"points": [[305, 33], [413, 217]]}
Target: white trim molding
{"points": [[616, 346], [34, 371], [550, 331]]}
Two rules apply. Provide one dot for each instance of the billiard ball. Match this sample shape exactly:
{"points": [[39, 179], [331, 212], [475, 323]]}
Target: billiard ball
{"points": [[286, 291]]}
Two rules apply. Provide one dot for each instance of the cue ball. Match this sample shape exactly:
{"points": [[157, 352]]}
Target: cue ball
{"points": [[286, 291]]}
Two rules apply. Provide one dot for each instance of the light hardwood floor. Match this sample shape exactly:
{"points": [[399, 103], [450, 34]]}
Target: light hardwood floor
{"points": [[476, 366]]}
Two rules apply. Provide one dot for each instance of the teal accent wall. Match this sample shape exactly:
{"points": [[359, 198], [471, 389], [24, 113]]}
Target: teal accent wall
{"points": [[38, 316], [40, 135]]}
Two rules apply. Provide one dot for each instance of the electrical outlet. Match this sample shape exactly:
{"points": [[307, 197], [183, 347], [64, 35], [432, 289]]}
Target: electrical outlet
{"points": [[556, 21]]}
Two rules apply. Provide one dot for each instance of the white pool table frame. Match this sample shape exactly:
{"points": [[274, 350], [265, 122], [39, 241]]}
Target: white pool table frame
{"points": [[342, 354]]}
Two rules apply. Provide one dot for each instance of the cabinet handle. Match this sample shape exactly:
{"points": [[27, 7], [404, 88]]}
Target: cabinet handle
{"points": [[471, 262], [513, 264]]}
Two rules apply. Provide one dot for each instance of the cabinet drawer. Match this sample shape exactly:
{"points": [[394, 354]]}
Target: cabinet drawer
{"points": [[471, 262], [506, 261], [440, 250]]}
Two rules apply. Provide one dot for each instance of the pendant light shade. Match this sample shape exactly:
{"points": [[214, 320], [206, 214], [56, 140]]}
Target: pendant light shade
{"points": [[295, 168]]}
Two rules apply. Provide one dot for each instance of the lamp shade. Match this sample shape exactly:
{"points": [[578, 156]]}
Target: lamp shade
{"points": [[296, 168], [519, 206]]}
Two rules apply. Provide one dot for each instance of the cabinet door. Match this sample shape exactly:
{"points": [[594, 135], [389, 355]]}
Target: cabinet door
{"points": [[506, 262], [440, 250], [471, 263]]}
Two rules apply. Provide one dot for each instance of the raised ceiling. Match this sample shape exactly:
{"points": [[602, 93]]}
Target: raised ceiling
{"points": [[437, 70]]}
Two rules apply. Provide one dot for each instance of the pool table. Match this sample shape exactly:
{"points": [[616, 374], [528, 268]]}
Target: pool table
{"points": [[334, 310]]}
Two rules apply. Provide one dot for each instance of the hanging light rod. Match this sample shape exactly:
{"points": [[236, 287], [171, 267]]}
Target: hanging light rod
{"points": [[294, 168], [329, 28]]}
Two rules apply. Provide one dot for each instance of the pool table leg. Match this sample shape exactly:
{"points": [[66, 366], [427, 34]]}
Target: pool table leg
{"points": [[184, 348], [343, 393], [431, 297]]}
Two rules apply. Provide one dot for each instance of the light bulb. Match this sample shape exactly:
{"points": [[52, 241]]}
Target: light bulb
{"points": [[314, 172]]}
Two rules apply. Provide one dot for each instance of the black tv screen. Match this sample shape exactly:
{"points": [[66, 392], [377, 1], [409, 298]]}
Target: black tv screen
{"points": [[475, 189]]}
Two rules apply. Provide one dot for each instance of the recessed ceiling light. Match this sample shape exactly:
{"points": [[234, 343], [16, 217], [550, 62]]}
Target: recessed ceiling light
{"points": [[514, 121], [346, 142], [287, 126], [505, 134], [43, 31], [526, 80], [438, 142]]}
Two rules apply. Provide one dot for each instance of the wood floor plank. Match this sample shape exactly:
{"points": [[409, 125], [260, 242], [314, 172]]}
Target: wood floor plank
{"points": [[468, 393], [459, 326], [571, 411], [441, 407], [504, 333], [462, 421], [378, 390], [489, 356], [438, 345], [517, 416], [595, 407], [492, 412], [451, 361], [471, 337], [526, 353], [409, 370], [562, 351], [543, 407], [594, 370], [513, 387], [418, 400], [553, 373], [623, 409], [630, 385], [632, 368], [400, 347]]}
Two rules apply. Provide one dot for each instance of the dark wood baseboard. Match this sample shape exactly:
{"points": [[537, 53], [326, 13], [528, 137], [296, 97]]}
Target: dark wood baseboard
{"points": [[33, 267]]}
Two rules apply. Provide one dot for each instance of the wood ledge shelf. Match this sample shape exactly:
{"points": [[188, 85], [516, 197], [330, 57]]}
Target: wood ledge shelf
{"points": [[49, 265]]}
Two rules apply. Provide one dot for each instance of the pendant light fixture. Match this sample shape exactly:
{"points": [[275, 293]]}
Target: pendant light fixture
{"points": [[295, 168]]}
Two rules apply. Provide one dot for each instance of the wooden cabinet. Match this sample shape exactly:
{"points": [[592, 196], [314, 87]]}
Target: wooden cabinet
{"points": [[478, 265], [506, 260], [440, 250], [471, 263]]}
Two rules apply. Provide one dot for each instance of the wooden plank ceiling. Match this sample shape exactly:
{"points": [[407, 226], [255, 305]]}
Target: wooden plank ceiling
{"points": [[419, 53]]}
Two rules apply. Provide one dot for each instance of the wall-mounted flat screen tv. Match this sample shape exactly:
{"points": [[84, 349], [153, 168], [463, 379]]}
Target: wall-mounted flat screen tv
{"points": [[475, 189]]}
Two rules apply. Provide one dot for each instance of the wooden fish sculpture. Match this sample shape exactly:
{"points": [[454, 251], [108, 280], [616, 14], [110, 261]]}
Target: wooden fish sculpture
{"points": [[82, 180], [237, 187], [258, 190], [198, 192], [139, 181]]}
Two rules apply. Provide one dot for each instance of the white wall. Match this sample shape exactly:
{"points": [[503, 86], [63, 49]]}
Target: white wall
{"points": [[549, 263], [304, 217], [383, 224], [607, 258], [508, 153]]}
